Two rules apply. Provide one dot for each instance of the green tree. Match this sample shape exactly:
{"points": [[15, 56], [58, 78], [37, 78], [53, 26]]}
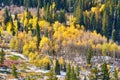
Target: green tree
{"points": [[48, 13], [51, 75], [14, 72], [38, 35], [38, 14], [105, 72], [28, 16], [113, 35], [77, 71], [78, 13], [62, 16], [57, 67], [73, 74], [94, 74], [54, 77], [105, 24], [67, 77], [2, 56], [115, 75], [89, 55], [6, 16]]}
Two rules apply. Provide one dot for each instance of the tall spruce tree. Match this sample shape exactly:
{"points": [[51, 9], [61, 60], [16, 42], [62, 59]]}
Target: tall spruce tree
{"points": [[67, 77], [89, 55], [113, 35], [6, 16], [38, 14], [77, 71], [38, 35], [115, 74], [14, 71], [51, 75], [105, 24], [94, 74], [57, 67], [73, 74], [2, 56], [105, 72], [78, 13]]}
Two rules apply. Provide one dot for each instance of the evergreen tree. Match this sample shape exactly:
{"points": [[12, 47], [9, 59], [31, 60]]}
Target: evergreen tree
{"points": [[105, 25], [54, 77], [105, 72], [57, 67], [73, 74], [92, 21], [77, 71], [48, 13], [2, 56], [38, 35], [6, 16], [48, 66], [62, 16], [78, 13], [117, 22], [89, 55], [29, 16], [14, 72], [114, 35], [115, 75], [16, 18], [64, 69], [94, 74], [13, 26], [38, 14], [51, 75], [85, 20], [19, 26], [67, 77]]}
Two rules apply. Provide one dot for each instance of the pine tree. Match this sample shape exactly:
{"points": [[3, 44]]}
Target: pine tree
{"points": [[2, 56], [117, 25], [89, 55], [48, 66], [48, 13], [62, 16], [6, 16], [51, 75], [54, 77], [105, 72], [67, 77], [114, 35], [28, 16], [77, 71], [13, 26], [14, 72], [105, 24], [38, 35], [115, 74], [64, 69], [38, 14], [57, 67], [94, 74], [73, 74], [78, 13]]}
